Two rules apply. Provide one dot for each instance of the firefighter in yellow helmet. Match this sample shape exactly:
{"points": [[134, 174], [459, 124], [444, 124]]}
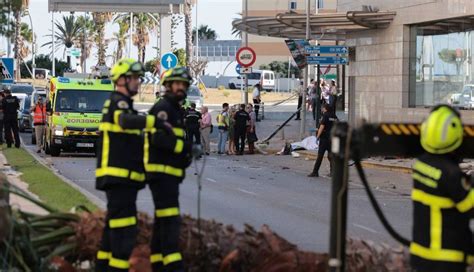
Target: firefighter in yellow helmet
{"points": [[120, 172], [166, 159], [442, 197]]}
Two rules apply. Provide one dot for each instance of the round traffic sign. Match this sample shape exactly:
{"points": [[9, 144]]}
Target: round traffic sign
{"points": [[246, 56], [237, 68], [169, 61]]}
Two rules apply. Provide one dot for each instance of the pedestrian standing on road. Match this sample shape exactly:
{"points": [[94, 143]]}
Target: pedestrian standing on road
{"points": [[443, 197], [324, 138], [251, 129], [39, 122], [240, 130], [300, 100], [223, 126], [231, 148], [316, 103], [206, 130], [167, 155], [11, 105], [120, 171], [193, 123], [333, 93], [325, 93], [2, 96], [257, 98]]}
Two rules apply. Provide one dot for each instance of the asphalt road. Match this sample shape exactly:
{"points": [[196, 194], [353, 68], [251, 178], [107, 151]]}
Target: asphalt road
{"points": [[257, 190]]}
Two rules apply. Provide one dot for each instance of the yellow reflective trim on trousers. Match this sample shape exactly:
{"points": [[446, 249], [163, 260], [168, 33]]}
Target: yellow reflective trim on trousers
{"points": [[146, 149], [467, 203], [435, 227], [156, 258], [105, 150], [117, 116], [122, 222], [119, 173], [427, 170], [103, 255], [171, 258], [179, 132], [120, 264], [178, 149], [426, 181], [117, 129], [150, 121], [431, 200], [447, 255], [164, 169], [167, 212]]}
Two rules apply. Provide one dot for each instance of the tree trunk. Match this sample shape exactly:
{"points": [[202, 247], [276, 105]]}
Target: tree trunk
{"points": [[188, 30], [101, 45], [17, 44]]}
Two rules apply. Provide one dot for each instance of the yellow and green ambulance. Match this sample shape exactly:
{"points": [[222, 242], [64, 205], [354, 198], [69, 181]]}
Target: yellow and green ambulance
{"points": [[74, 114]]}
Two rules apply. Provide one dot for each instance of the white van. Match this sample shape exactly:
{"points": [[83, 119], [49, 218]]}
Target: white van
{"points": [[265, 77]]}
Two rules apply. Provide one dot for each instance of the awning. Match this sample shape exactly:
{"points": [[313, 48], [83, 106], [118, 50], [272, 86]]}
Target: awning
{"points": [[324, 26]]}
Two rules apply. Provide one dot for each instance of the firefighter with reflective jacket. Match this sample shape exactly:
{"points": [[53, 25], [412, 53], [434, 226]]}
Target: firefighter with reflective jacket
{"points": [[120, 172], [166, 159], [442, 197]]}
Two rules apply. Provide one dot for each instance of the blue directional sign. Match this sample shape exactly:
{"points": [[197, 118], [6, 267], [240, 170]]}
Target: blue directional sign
{"points": [[169, 61], [238, 68], [327, 60], [6, 70], [326, 49]]}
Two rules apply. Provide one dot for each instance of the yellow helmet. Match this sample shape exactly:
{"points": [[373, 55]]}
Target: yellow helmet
{"points": [[442, 132], [177, 74], [127, 67]]}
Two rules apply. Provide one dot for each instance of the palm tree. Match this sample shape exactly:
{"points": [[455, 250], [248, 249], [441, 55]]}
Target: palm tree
{"points": [[67, 34], [188, 26], [18, 6], [85, 40], [205, 33], [143, 24], [120, 38], [100, 19], [26, 35]]}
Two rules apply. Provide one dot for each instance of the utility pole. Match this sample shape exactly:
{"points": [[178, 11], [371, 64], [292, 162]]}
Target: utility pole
{"points": [[197, 35], [246, 93], [53, 48], [306, 75], [130, 33]]}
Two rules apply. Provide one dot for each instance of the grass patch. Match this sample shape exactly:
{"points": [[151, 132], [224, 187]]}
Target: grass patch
{"points": [[44, 183]]}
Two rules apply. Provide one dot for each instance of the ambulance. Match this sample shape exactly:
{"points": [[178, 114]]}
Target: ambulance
{"points": [[74, 114]]}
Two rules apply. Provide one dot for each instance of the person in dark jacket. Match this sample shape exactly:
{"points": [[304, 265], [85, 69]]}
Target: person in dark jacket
{"points": [[120, 172], [241, 118], [443, 198], [166, 158], [193, 121], [11, 105]]}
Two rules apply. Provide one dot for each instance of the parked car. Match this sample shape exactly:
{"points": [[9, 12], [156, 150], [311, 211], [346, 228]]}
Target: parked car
{"points": [[22, 88], [464, 99], [265, 77], [24, 112], [38, 92], [195, 96]]}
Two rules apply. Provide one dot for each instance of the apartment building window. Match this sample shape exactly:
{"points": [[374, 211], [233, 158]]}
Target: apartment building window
{"points": [[441, 64], [320, 4]]}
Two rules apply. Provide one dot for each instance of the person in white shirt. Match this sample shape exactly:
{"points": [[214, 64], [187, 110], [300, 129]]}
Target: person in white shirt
{"points": [[257, 99]]}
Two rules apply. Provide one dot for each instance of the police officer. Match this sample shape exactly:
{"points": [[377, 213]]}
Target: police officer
{"points": [[11, 105], [442, 197], [241, 118], [192, 121], [120, 172], [166, 158], [324, 137]]}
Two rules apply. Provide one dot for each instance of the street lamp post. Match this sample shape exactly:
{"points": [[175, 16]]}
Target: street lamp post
{"points": [[306, 75], [53, 72]]}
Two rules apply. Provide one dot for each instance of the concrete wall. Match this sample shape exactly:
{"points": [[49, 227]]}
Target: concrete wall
{"points": [[381, 67]]}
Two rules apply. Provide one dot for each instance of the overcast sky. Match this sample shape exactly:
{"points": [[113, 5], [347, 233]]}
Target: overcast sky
{"points": [[218, 14]]}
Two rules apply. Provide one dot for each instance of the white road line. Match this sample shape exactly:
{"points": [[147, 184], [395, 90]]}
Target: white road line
{"points": [[365, 228], [247, 192], [211, 180]]}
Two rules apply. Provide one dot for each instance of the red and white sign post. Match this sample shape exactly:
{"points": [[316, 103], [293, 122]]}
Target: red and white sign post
{"points": [[246, 57]]}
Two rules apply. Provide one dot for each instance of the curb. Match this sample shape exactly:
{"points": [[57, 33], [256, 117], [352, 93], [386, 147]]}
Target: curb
{"points": [[369, 164], [94, 199]]}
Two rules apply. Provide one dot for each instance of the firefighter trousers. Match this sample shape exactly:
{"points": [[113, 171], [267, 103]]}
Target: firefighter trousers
{"points": [[165, 254], [120, 231]]}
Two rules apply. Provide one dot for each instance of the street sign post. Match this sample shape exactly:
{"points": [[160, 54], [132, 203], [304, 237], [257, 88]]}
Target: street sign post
{"points": [[318, 60], [6, 70], [238, 68], [246, 56], [169, 61], [326, 50]]}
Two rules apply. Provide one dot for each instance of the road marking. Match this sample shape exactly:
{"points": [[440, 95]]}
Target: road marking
{"points": [[211, 180], [247, 192], [365, 228]]}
